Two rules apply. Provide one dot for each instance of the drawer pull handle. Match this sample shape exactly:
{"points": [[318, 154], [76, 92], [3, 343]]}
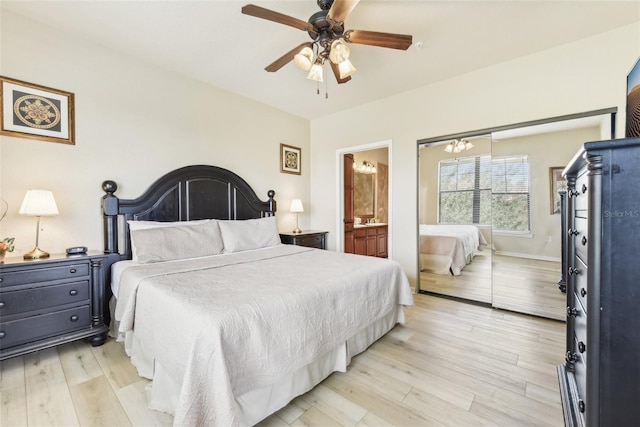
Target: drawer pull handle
{"points": [[584, 188], [582, 347], [572, 311], [573, 193], [573, 270], [573, 232], [571, 357], [584, 240], [74, 318], [583, 292], [73, 292], [2, 334], [73, 270], [2, 304], [581, 406]]}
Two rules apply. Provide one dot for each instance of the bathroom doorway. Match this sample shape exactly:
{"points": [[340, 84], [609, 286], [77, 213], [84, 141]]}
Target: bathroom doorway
{"points": [[364, 214]]}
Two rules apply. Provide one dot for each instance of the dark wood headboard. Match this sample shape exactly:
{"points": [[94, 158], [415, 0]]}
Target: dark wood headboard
{"points": [[185, 194]]}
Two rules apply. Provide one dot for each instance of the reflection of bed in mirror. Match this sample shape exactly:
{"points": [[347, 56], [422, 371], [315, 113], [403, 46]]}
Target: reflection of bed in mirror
{"points": [[448, 248]]}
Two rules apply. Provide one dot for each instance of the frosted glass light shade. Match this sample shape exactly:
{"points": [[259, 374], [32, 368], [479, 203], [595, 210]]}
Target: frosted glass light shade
{"points": [[339, 52], [315, 73], [304, 58], [39, 203], [346, 68], [296, 205]]}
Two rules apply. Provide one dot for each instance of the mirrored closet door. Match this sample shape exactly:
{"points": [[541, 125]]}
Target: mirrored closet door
{"points": [[489, 212]]}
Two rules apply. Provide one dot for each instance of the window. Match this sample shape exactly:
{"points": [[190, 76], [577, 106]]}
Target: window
{"points": [[510, 193], [465, 190], [470, 186]]}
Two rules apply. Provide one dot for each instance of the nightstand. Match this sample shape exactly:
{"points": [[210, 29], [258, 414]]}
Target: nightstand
{"points": [[50, 301], [311, 239]]}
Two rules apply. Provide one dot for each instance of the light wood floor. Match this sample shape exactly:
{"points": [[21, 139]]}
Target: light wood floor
{"points": [[519, 284], [473, 283], [451, 364], [529, 286]]}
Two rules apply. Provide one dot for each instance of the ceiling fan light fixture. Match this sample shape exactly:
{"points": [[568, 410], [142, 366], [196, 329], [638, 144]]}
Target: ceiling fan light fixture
{"points": [[304, 59], [316, 72], [467, 145], [346, 68], [339, 51], [449, 147]]}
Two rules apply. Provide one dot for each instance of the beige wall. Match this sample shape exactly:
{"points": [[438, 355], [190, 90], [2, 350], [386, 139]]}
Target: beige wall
{"points": [[586, 75], [134, 122]]}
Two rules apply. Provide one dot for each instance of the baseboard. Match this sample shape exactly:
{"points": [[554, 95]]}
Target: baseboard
{"points": [[529, 256]]}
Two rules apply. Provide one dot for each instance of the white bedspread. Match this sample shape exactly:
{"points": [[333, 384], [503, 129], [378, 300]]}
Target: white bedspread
{"points": [[229, 324], [448, 248]]}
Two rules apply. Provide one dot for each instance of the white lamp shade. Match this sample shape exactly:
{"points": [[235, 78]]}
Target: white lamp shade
{"points": [[39, 203], [296, 205]]}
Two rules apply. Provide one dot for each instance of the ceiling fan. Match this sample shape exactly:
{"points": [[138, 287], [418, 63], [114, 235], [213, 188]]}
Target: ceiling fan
{"points": [[326, 29]]}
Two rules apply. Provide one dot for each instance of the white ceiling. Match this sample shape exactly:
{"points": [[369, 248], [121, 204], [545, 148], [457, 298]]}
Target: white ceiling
{"points": [[213, 42]]}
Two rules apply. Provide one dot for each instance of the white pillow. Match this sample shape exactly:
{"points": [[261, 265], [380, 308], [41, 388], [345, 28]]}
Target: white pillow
{"points": [[249, 234], [170, 243], [145, 225]]}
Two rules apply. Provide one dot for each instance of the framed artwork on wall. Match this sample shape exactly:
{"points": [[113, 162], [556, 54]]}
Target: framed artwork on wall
{"points": [[556, 183], [290, 159], [32, 111]]}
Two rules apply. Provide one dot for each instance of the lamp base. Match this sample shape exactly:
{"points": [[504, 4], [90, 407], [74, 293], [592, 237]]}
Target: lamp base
{"points": [[37, 253], [297, 231]]}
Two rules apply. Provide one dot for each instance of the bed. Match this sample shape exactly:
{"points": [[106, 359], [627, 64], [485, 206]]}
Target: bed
{"points": [[229, 323], [448, 248]]}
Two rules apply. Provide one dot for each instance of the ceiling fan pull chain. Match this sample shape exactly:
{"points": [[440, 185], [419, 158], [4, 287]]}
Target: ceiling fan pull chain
{"points": [[326, 91]]}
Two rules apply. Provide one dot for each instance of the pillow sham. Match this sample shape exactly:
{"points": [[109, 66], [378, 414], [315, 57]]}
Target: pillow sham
{"points": [[244, 235], [145, 225], [171, 243]]}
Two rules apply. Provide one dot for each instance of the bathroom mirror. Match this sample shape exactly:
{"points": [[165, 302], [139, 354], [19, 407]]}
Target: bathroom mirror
{"points": [[364, 195], [523, 230]]}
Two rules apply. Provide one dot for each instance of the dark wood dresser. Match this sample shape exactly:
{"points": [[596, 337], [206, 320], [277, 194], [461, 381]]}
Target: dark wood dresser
{"points": [[310, 239], [600, 380], [51, 301]]}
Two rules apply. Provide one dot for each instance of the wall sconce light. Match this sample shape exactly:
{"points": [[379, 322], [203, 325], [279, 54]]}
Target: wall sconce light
{"points": [[38, 203], [365, 167], [296, 207]]}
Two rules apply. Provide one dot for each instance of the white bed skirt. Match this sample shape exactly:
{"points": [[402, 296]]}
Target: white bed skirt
{"points": [[258, 404]]}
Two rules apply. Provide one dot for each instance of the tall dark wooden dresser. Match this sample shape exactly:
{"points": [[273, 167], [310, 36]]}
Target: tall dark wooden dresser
{"points": [[600, 379]]}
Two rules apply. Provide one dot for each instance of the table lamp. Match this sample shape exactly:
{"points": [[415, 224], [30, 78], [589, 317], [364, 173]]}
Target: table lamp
{"points": [[296, 206], [38, 203]]}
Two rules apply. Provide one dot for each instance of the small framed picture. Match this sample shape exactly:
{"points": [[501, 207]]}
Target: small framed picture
{"points": [[556, 183], [290, 159], [37, 112]]}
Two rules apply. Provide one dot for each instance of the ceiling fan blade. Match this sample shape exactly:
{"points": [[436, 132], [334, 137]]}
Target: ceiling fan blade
{"points": [[336, 73], [286, 58], [373, 38], [340, 9], [280, 18]]}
